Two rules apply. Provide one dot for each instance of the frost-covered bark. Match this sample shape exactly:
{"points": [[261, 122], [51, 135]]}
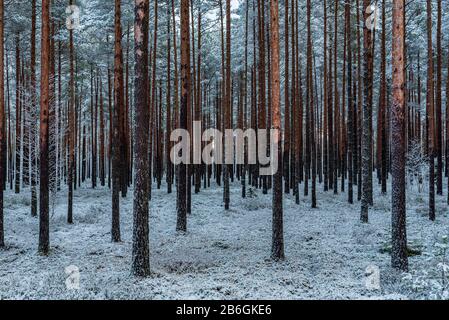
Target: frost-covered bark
{"points": [[382, 130], [102, 145], [325, 102], [44, 238], [261, 72], [438, 102], [287, 121], [399, 236], [367, 182], [33, 112], [2, 129], [311, 105], [18, 117], [168, 144], [181, 224], [140, 254], [227, 106], [430, 113], [71, 128], [351, 146], [447, 126]]}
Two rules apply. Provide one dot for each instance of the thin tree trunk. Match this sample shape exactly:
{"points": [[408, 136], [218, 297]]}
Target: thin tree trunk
{"points": [[287, 148], [430, 113], [33, 113], [18, 117], [227, 105], [311, 104], [102, 145], [168, 126], [71, 130], [2, 129], [349, 102], [367, 117], [438, 103]]}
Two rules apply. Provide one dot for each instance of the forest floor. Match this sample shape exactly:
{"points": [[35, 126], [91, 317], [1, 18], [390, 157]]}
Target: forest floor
{"points": [[224, 255]]}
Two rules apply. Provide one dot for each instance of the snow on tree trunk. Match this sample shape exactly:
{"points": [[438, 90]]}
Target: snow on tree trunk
{"points": [[2, 129], [44, 239], [140, 253], [399, 258], [367, 183]]}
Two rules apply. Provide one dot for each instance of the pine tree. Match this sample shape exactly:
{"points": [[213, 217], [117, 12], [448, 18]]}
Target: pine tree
{"points": [[382, 130], [438, 103], [430, 113], [44, 239], [277, 250], [2, 129], [118, 105], [399, 236], [367, 183], [181, 224], [71, 128], [18, 117], [351, 149], [33, 111], [140, 253]]}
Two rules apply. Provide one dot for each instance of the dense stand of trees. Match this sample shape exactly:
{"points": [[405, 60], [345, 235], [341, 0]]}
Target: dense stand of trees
{"points": [[108, 115]]}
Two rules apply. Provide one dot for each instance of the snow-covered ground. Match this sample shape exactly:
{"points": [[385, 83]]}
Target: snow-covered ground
{"points": [[224, 255]]}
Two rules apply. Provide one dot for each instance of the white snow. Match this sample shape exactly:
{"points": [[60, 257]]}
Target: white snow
{"points": [[224, 255]]}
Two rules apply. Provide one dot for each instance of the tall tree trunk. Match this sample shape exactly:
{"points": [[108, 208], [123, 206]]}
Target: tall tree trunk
{"points": [[102, 145], [399, 236], [124, 122], [277, 250], [367, 183], [93, 120], [33, 113], [181, 224], [311, 103], [141, 251], [168, 126], [349, 102], [359, 105], [430, 113], [227, 105], [71, 130], [447, 127], [118, 105], [336, 127], [44, 239], [18, 117], [261, 108], [325, 104], [2, 129], [383, 104], [287, 145], [438, 103]]}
